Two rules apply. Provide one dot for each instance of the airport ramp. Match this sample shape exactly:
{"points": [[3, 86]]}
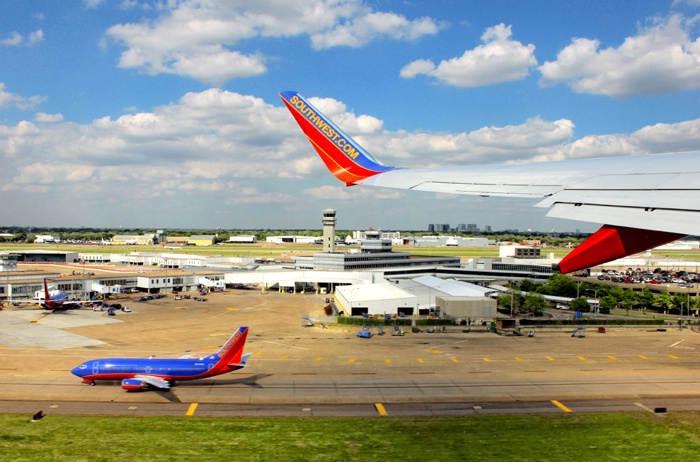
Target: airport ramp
{"points": [[18, 331]]}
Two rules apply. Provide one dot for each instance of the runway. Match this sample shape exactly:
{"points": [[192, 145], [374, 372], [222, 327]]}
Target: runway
{"points": [[656, 406], [297, 371]]}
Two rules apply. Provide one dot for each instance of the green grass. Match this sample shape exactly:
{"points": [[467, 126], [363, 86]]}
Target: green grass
{"points": [[565, 437]]}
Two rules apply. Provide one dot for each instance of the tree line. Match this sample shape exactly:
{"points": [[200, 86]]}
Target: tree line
{"points": [[609, 297]]}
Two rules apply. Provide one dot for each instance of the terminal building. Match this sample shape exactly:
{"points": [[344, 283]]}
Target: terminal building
{"points": [[372, 279], [375, 253]]}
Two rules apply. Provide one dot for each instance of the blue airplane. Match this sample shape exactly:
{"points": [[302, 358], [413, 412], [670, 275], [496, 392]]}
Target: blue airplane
{"points": [[139, 374]]}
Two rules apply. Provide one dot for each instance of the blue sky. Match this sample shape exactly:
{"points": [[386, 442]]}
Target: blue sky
{"points": [[165, 114]]}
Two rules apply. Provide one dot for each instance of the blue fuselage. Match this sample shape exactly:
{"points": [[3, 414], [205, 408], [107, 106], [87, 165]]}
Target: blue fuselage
{"points": [[167, 368]]}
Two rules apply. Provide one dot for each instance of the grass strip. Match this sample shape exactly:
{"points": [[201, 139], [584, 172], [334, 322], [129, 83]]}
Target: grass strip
{"points": [[600, 437]]}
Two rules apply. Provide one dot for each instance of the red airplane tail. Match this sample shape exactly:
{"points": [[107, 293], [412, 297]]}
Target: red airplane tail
{"points": [[231, 353], [48, 303]]}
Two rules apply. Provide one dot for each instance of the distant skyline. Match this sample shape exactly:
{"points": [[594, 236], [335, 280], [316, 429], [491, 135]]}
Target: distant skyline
{"points": [[155, 114]]}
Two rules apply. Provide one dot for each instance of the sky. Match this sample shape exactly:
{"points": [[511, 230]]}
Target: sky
{"points": [[165, 114]]}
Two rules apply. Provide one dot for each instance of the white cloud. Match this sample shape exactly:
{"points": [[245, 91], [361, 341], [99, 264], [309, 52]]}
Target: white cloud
{"points": [[13, 40], [17, 39], [368, 26], [35, 37], [91, 4], [218, 66], [500, 59], [652, 139], [48, 118], [195, 39], [221, 148], [8, 99], [660, 59], [344, 193]]}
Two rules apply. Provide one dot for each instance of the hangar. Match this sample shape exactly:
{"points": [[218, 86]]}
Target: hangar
{"points": [[423, 295], [375, 299], [44, 256]]}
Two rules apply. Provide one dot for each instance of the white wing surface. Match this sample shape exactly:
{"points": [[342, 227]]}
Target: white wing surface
{"points": [[641, 201]]}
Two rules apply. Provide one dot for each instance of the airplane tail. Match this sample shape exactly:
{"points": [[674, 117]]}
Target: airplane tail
{"points": [[346, 159], [47, 297], [231, 354]]}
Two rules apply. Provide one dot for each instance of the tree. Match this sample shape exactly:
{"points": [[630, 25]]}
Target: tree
{"points": [[580, 304], [629, 300], [528, 285], [647, 298], [695, 303], [504, 301], [534, 303], [664, 300], [608, 302], [617, 293], [680, 301], [560, 285]]}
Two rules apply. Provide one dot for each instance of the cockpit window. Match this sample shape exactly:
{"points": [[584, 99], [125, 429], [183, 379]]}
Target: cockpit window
{"points": [[83, 366]]}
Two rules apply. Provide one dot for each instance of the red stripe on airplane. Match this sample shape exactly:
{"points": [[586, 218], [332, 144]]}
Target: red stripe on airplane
{"points": [[613, 242]]}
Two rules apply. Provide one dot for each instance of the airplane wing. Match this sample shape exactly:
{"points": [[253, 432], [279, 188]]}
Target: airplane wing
{"points": [[641, 201], [157, 382]]}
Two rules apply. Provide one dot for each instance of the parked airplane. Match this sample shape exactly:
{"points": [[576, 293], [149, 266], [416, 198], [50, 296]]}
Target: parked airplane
{"points": [[141, 373], [641, 201], [58, 300]]}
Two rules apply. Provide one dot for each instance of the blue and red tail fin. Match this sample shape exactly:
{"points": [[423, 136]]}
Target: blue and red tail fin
{"points": [[231, 354], [346, 159], [232, 351]]}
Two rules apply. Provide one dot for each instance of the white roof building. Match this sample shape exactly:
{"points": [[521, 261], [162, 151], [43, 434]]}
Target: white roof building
{"points": [[375, 299]]}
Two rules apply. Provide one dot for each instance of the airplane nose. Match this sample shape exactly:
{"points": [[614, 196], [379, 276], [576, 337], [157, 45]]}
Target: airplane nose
{"points": [[78, 371]]}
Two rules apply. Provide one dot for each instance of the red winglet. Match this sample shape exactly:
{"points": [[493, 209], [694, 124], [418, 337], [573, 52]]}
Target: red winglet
{"points": [[613, 242]]}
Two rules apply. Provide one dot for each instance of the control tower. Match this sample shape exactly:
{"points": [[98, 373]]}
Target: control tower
{"points": [[328, 230]]}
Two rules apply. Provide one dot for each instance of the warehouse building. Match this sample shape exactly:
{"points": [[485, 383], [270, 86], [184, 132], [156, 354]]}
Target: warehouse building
{"points": [[375, 299]]}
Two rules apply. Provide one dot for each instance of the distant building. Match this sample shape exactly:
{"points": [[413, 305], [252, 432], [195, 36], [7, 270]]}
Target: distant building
{"points": [[243, 239], [202, 239], [439, 227], [518, 251], [438, 241], [44, 239], [134, 239], [309, 240]]}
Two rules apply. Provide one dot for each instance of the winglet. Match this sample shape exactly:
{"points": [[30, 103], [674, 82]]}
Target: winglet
{"points": [[346, 159]]}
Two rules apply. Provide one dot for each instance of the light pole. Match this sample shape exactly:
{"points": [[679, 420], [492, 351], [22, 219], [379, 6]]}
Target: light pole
{"points": [[597, 303], [681, 310], [512, 292]]}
